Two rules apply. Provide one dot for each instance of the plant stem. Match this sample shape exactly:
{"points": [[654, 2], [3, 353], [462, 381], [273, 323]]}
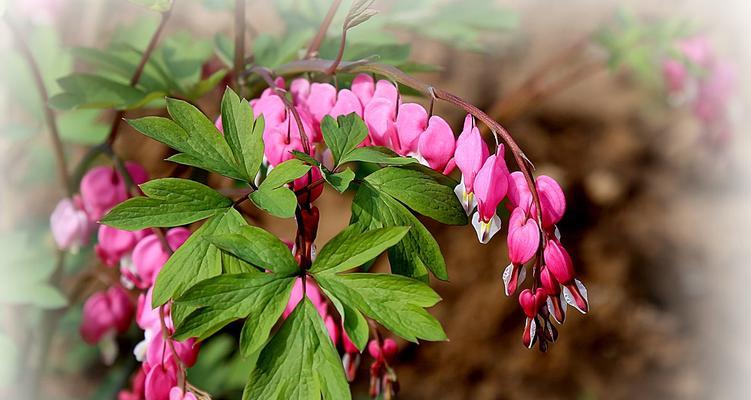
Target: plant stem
{"points": [[49, 114], [239, 46], [315, 44], [393, 73]]}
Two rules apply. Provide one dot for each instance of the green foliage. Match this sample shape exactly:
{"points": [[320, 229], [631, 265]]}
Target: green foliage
{"points": [[421, 193], [192, 134], [259, 248], [273, 195], [197, 259], [376, 155], [168, 202], [418, 251], [352, 248], [243, 134], [340, 180], [260, 298], [299, 362], [396, 302], [343, 134]]}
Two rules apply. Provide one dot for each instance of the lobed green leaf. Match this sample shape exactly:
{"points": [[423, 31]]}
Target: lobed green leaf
{"points": [[352, 248], [258, 247]]}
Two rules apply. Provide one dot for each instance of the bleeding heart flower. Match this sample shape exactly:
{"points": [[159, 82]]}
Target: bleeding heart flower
{"points": [[321, 100], [149, 255], [160, 380], [523, 241], [491, 184], [389, 349], [363, 87], [559, 263], [556, 302], [311, 292], [675, 75], [519, 194], [305, 180], [379, 118], [470, 154], [105, 313], [346, 103], [436, 145], [103, 188], [115, 243], [531, 303], [70, 224], [411, 122], [552, 200]]}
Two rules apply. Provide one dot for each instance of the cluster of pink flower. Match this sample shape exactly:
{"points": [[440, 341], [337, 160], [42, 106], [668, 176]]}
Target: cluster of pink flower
{"points": [[407, 129], [707, 83], [139, 257]]}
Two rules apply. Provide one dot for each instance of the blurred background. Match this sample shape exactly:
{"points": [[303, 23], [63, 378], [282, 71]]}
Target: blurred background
{"points": [[657, 197]]}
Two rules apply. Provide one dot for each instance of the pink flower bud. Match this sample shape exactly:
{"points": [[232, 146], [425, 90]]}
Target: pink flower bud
{"points": [[491, 184], [559, 262], [273, 110], [346, 103], [471, 152], [149, 255], [159, 352], [70, 225], [386, 90], [115, 243], [300, 89], [531, 301], [379, 118], [552, 200], [177, 394], [411, 122], [436, 145], [523, 237], [519, 194], [147, 318], [106, 312], [552, 288], [363, 87], [160, 380], [389, 349], [102, 188], [321, 100]]}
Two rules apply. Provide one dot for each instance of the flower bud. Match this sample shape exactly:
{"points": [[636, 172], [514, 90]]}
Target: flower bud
{"points": [[559, 262], [70, 225]]}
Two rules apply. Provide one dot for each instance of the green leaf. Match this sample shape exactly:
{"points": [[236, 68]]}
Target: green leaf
{"points": [[170, 202], [300, 362], [352, 248], [420, 193], [259, 248], [343, 134], [260, 298], [273, 196], [340, 180], [376, 155], [243, 133], [200, 143], [396, 302], [353, 321], [155, 5], [92, 91], [197, 259], [284, 173], [305, 158], [418, 251], [280, 202]]}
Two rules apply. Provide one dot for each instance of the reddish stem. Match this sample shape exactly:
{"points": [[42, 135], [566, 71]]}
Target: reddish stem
{"points": [[315, 44]]}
